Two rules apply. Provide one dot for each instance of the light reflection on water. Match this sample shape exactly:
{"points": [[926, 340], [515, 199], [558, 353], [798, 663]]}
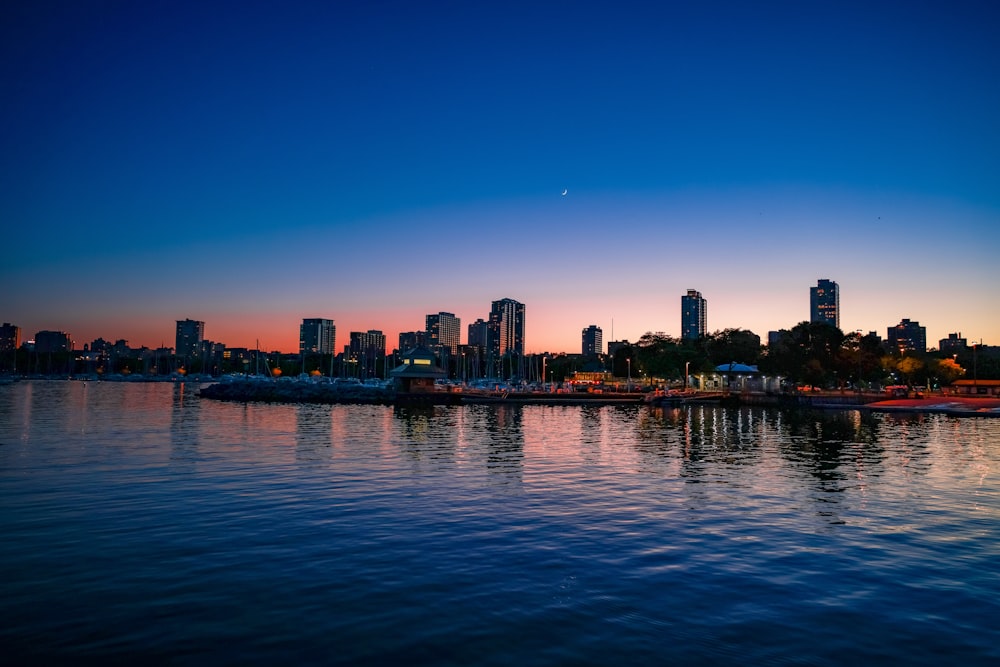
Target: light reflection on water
{"points": [[140, 520]]}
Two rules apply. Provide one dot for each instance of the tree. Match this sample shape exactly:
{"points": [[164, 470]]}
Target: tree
{"points": [[728, 345]]}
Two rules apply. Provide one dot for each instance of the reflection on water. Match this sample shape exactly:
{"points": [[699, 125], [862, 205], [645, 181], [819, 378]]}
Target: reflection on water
{"points": [[141, 521]]}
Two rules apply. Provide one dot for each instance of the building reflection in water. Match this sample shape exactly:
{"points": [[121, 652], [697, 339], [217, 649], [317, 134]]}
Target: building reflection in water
{"points": [[313, 432], [427, 433]]}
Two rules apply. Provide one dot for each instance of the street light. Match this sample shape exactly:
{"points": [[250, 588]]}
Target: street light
{"points": [[628, 386], [687, 366]]}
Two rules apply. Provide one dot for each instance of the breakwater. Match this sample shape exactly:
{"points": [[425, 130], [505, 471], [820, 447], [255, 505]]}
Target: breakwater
{"points": [[266, 391]]}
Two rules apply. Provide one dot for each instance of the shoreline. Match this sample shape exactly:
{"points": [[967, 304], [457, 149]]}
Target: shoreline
{"points": [[303, 392]]}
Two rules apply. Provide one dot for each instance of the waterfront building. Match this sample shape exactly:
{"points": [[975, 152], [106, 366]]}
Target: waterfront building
{"points": [[190, 334], [317, 336], [417, 372], [694, 315], [444, 330], [824, 302], [908, 335], [592, 343], [10, 337], [954, 343], [53, 341], [505, 329]]}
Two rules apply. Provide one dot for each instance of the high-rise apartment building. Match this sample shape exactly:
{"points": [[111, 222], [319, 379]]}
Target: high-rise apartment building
{"points": [[694, 315], [824, 302], [505, 330], [190, 333], [365, 348], [592, 341], [908, 335], [317, 336], [444, 329], [479, 334]]}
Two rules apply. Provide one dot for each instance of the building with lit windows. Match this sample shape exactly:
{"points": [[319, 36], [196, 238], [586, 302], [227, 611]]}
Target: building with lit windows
{"points": [[444, 330], [317, 336], [364, 351], [478, 334], [694, 315], [10, 337], [954, 343], [190, 334], [907, 335], [824, 302], [593, 344], [505, 329]]}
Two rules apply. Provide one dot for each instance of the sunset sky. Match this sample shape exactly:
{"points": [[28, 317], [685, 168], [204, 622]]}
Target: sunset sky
{"points": [[251, 164]]}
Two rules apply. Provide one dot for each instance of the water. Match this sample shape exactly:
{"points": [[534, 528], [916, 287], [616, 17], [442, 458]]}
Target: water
{"points": [[139, 521]]}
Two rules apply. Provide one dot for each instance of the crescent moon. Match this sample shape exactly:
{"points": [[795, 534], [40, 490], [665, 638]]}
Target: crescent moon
{"points": [[564, 192]]}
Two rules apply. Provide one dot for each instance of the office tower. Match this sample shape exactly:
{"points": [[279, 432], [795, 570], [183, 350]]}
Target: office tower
{"points": [[10, 337], [824, 302], [505, 330], [444, 329], [908, 335], [479, 334], [190, 333], [592, 343], [694, 315], [53, 341], [317, 336]]}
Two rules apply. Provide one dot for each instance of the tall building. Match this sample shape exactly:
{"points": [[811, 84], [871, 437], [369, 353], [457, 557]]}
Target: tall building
{"points": [[907, 335], [824, 302], [444, 329], [10, 337], [592, 341], [505, 329], [365, 348], [317, 336], [479, 334], [190, 333], [694, 315]]}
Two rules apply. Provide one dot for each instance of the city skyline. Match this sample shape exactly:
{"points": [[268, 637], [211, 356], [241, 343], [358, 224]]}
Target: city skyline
{"points": [[372, 165], [507, 306]]}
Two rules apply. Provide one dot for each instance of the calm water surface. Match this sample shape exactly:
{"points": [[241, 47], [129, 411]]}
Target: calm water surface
{"points": [[140, 521]]}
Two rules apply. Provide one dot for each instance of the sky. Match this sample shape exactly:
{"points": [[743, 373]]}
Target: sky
{"points": [[251, 164]]}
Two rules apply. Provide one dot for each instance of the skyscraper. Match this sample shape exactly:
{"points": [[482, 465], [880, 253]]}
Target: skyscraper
{"points": [[317, 336], [824, 302], [505, 332], [592, 341], [190, 333], [694, 315], [444, 329]]}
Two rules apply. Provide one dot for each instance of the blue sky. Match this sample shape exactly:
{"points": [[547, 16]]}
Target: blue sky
{"points": [[251, 164]]}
